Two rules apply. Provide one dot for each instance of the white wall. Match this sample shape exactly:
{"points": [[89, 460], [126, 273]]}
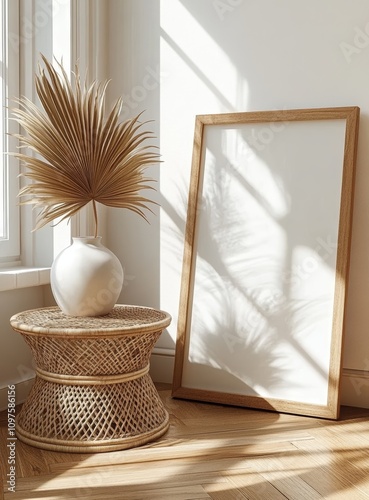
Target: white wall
{"points": [[179, 58], [137, 243]]}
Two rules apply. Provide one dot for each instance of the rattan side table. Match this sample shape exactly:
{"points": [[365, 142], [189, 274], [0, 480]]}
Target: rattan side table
{"points": [[92, 391]]}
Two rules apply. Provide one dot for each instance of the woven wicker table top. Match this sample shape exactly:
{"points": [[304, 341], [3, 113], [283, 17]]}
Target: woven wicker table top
{"points": [[122, 319]]}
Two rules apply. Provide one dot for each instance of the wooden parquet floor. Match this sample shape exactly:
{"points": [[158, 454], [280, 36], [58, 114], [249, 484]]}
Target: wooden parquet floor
{"points": [[210, 452]]}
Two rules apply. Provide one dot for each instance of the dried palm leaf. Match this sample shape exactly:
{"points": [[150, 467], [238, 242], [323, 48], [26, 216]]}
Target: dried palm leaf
{"points": [[87, 155]]}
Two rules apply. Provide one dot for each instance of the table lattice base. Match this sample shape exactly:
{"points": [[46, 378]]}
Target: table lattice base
{"points": [[92, 418], [93, 391]]}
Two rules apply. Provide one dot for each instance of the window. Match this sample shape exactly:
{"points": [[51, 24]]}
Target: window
{"points": [[9, 83], [55, 28], [28, 28]]}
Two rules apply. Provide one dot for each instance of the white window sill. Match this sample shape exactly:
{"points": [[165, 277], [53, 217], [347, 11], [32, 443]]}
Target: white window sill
{"points": [[23, 277]]}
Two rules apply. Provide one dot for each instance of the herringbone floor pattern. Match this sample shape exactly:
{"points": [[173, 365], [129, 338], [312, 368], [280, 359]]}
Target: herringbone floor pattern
{"points": [[210, 452]]}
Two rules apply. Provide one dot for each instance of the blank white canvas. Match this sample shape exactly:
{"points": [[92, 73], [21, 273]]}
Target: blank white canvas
{"points": [[265, 268]]}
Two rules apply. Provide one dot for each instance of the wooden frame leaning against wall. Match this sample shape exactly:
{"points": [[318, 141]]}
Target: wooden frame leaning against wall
{"points": [[266, 260]]}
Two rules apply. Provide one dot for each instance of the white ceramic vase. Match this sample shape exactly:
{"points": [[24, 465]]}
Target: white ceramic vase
{"points": [[86, 278]]}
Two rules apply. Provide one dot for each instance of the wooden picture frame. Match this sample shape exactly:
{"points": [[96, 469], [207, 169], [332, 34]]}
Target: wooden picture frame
{"points": [[266, 260]]}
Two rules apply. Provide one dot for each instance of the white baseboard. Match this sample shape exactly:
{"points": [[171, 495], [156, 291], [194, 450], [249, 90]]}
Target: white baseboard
{"points": [[354, 386], [162, 365]]}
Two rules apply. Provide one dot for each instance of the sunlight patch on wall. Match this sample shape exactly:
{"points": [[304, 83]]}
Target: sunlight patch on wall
{"points": [[190, 54]]}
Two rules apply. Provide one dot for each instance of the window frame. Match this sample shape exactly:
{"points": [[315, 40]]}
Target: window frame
{"points": [[37, 249], [10, 242]]}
